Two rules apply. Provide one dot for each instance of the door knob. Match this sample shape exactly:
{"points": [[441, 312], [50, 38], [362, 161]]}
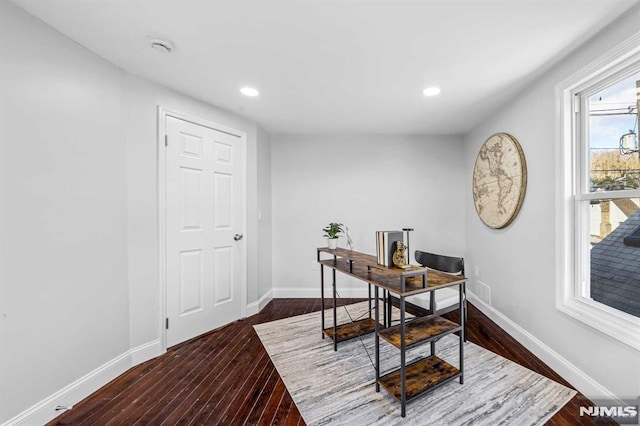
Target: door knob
{"points": [[238, 237]]}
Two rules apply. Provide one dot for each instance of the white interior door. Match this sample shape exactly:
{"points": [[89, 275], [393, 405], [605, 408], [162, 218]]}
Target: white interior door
{"points": [[203, 229]]}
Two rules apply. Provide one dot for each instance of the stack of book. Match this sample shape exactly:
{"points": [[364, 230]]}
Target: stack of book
{"points": [[386, 245]]}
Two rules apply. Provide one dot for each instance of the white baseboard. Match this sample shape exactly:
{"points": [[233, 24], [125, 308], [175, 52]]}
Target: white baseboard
{"points": [[145, 352], [45, 410], [310, 293], [572, 374], [257, 306]]}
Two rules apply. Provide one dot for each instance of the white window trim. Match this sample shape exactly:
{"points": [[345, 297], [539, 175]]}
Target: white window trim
{"points": [[619, 325]]}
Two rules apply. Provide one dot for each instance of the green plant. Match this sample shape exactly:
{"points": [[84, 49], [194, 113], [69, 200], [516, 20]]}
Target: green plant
{"points": [[332, 230]]}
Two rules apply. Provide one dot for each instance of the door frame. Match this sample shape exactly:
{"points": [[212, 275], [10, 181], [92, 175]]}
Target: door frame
{"points": [[163, 114]]}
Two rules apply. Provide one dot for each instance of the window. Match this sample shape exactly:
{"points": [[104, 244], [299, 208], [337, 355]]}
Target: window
{"points": [[599, 194]]}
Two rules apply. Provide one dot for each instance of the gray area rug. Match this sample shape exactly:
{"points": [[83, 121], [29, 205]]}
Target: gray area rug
{"points": [[338, 387]]}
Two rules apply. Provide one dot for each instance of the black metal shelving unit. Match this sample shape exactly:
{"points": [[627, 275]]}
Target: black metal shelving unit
{"points": [[408, 381]]}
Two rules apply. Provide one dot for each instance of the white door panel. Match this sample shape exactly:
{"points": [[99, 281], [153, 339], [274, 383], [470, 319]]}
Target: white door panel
{"points": [[204, 212]]}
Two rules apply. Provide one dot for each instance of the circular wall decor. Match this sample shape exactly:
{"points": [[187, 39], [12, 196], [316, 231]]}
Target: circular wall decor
{"points": [[499, 180]]}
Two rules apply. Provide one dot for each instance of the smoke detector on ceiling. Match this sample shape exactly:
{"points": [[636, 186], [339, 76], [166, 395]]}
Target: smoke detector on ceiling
{"points": [[160, 45]]}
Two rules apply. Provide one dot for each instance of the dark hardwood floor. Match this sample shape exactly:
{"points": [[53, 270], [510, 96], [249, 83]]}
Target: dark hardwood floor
{"points": [[225, 377]]}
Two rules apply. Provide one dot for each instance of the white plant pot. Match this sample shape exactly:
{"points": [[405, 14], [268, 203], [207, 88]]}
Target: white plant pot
{"points": [[332, 243]]}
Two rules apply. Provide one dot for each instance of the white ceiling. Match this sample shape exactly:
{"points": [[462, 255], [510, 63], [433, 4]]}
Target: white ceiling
{"points": [[338, 66]]}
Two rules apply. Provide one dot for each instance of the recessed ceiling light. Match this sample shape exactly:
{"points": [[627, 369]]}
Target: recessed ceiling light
{"points": [[160, 45], [431, 91], [249, 91]]}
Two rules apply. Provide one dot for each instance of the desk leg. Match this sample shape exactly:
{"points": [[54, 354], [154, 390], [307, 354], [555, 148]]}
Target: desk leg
{"points": [[462, 333], [369, 299], [322, 298], [384, 307], [432, 308], [335, 312], [389, 308], [464, 311], [377, 339], [403, 368]]}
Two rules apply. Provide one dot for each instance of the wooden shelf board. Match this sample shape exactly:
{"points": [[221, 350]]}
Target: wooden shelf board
{"points": [[420, 377], [419, 330], [352, 329]]}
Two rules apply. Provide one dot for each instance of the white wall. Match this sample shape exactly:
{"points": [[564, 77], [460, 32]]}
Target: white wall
{"points": [[518, 263], [64, 308], [79, 291], [370, 183]]}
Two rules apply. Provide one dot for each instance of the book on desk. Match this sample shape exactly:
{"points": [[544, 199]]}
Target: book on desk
{"points": [[386, 245]]}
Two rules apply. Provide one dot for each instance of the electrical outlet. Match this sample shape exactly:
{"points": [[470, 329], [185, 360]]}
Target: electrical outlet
{"points": [[477, 271], [314, 265]]}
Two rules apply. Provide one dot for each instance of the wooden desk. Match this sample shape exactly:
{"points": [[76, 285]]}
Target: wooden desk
{"points": [[428, 373]]}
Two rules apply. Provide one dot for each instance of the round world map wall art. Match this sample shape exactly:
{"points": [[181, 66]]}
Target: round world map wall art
{"points": [[499, 180]]}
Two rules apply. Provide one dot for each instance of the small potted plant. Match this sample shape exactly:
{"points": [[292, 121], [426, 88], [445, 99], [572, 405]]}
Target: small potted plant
{"points": [[331, 232]]}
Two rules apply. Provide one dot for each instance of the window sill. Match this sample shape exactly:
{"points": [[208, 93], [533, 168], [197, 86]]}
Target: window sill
{"points": [[618, 325]]}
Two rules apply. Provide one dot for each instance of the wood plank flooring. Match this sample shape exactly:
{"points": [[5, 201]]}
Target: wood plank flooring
{"points": [[225, 377]]}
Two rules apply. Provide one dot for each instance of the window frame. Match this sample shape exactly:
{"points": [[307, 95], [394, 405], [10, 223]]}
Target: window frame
{"points": [[573, 196]]}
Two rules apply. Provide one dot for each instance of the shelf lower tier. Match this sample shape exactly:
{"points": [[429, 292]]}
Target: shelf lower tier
{"points": [[352, 329], [419, 330], [421, 376]]}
